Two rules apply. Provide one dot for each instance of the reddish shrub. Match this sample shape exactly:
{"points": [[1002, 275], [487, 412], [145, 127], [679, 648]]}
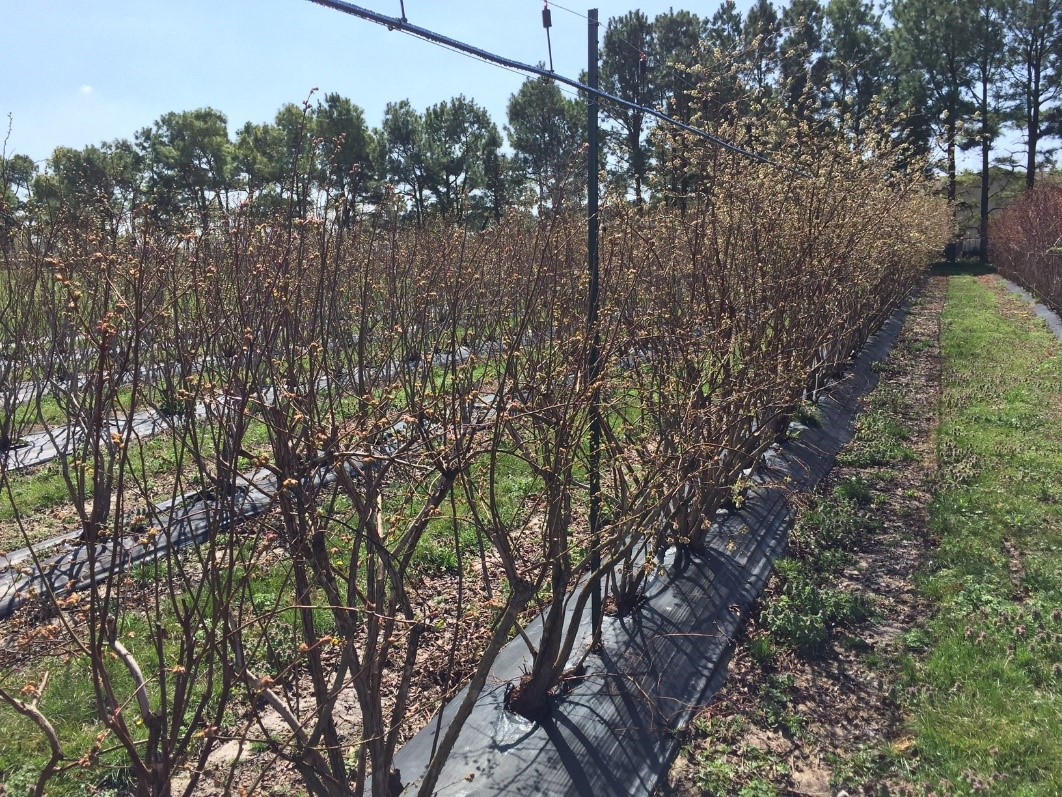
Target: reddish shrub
{"points": [[1027, 242]]}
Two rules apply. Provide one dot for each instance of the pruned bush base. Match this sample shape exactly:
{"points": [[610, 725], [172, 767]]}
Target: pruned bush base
{"points": [[1026, 242]]}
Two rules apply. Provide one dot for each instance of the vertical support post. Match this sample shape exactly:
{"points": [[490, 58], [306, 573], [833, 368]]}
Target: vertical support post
{"points": [[594, 336]]}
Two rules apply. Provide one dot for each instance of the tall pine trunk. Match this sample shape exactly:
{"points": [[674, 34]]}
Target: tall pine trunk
{"points": [[986, 177]]}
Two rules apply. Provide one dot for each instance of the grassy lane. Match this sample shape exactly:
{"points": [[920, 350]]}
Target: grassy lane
{"points": [[987, 698]]}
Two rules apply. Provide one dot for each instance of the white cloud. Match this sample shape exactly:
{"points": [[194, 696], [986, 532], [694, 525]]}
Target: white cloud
{"points": [[86, 89]]}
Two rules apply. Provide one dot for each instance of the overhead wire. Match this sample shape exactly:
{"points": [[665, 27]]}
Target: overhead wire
{"points": [[719, 66], [733, 56], [628, 44], [394, 23], [479, 59], [731, 60], [614, 153], [569, 92]]}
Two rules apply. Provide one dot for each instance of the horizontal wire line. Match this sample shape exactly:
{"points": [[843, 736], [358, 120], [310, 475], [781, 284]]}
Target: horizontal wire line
{"points": [[393, 23]]}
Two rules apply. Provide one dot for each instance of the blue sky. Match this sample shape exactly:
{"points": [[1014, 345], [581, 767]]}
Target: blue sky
{"points": [[78, 72]]}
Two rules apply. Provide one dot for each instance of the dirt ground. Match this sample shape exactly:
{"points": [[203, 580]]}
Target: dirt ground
{"points": [[794, 725]]}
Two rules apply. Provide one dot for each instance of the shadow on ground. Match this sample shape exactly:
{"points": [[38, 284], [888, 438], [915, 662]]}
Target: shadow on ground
{"points": [[961, 268]]}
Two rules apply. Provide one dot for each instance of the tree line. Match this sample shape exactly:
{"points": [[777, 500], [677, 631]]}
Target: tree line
{"points": [[447, 161], [935, 73]]}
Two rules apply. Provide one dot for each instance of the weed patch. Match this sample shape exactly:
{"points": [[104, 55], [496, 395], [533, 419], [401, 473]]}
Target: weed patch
{"points": [[882, 440], [725, 766]]}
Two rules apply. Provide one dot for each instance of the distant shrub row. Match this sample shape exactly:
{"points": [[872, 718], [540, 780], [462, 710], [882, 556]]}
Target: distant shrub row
{"points": [[1026, 242]]}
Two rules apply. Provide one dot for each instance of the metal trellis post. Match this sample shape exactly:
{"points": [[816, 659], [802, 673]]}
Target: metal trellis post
{"points": [[594, 369]]}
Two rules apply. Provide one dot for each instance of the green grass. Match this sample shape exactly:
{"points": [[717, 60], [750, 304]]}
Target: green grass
{"points": [[881, 438], [43, 412], [31, 492], [985, 674], [70, 701]]}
